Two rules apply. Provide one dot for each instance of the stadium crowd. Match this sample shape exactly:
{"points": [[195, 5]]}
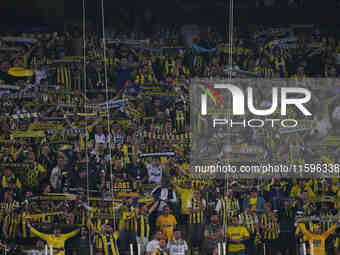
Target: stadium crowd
{"points": [[95, 150]]}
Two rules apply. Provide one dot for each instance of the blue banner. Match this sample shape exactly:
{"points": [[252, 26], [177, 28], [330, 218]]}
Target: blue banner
{"points": [[201, 49]]}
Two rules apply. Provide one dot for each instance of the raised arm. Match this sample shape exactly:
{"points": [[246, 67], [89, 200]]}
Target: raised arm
{"points": [[71, 234], [330, 231], [153, 207], [36, 232], [305, 231]]}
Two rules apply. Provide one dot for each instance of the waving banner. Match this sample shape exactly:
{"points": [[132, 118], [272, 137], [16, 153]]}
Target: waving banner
{"points": [[128, 42], [201, 49], [13, 87], [158, 154], [112, 104], [19, 39]]}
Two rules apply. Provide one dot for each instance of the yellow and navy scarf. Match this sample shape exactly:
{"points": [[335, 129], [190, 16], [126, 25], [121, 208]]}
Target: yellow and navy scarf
{"points": [[280, 65], [109, 238], [64, 76], [169, 63]]}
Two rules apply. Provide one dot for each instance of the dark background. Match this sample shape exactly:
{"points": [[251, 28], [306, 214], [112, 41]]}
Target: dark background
{"points": [[59, 13]]}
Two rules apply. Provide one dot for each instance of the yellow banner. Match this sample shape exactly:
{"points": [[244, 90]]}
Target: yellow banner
{"points": [[125, 194], [39, 215], [87, 114], [43, 127], [27, 134], [2, 141]]}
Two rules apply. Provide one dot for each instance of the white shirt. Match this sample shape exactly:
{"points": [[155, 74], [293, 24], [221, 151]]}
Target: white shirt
{"points": [[204, 204], [155, 173], [152, 246], [101, 138], [322, 127], [256, 220], [177, 247], [117, 138], [35, 252], [219, 206], [164, 196], [55, 178], [39, 75]]}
